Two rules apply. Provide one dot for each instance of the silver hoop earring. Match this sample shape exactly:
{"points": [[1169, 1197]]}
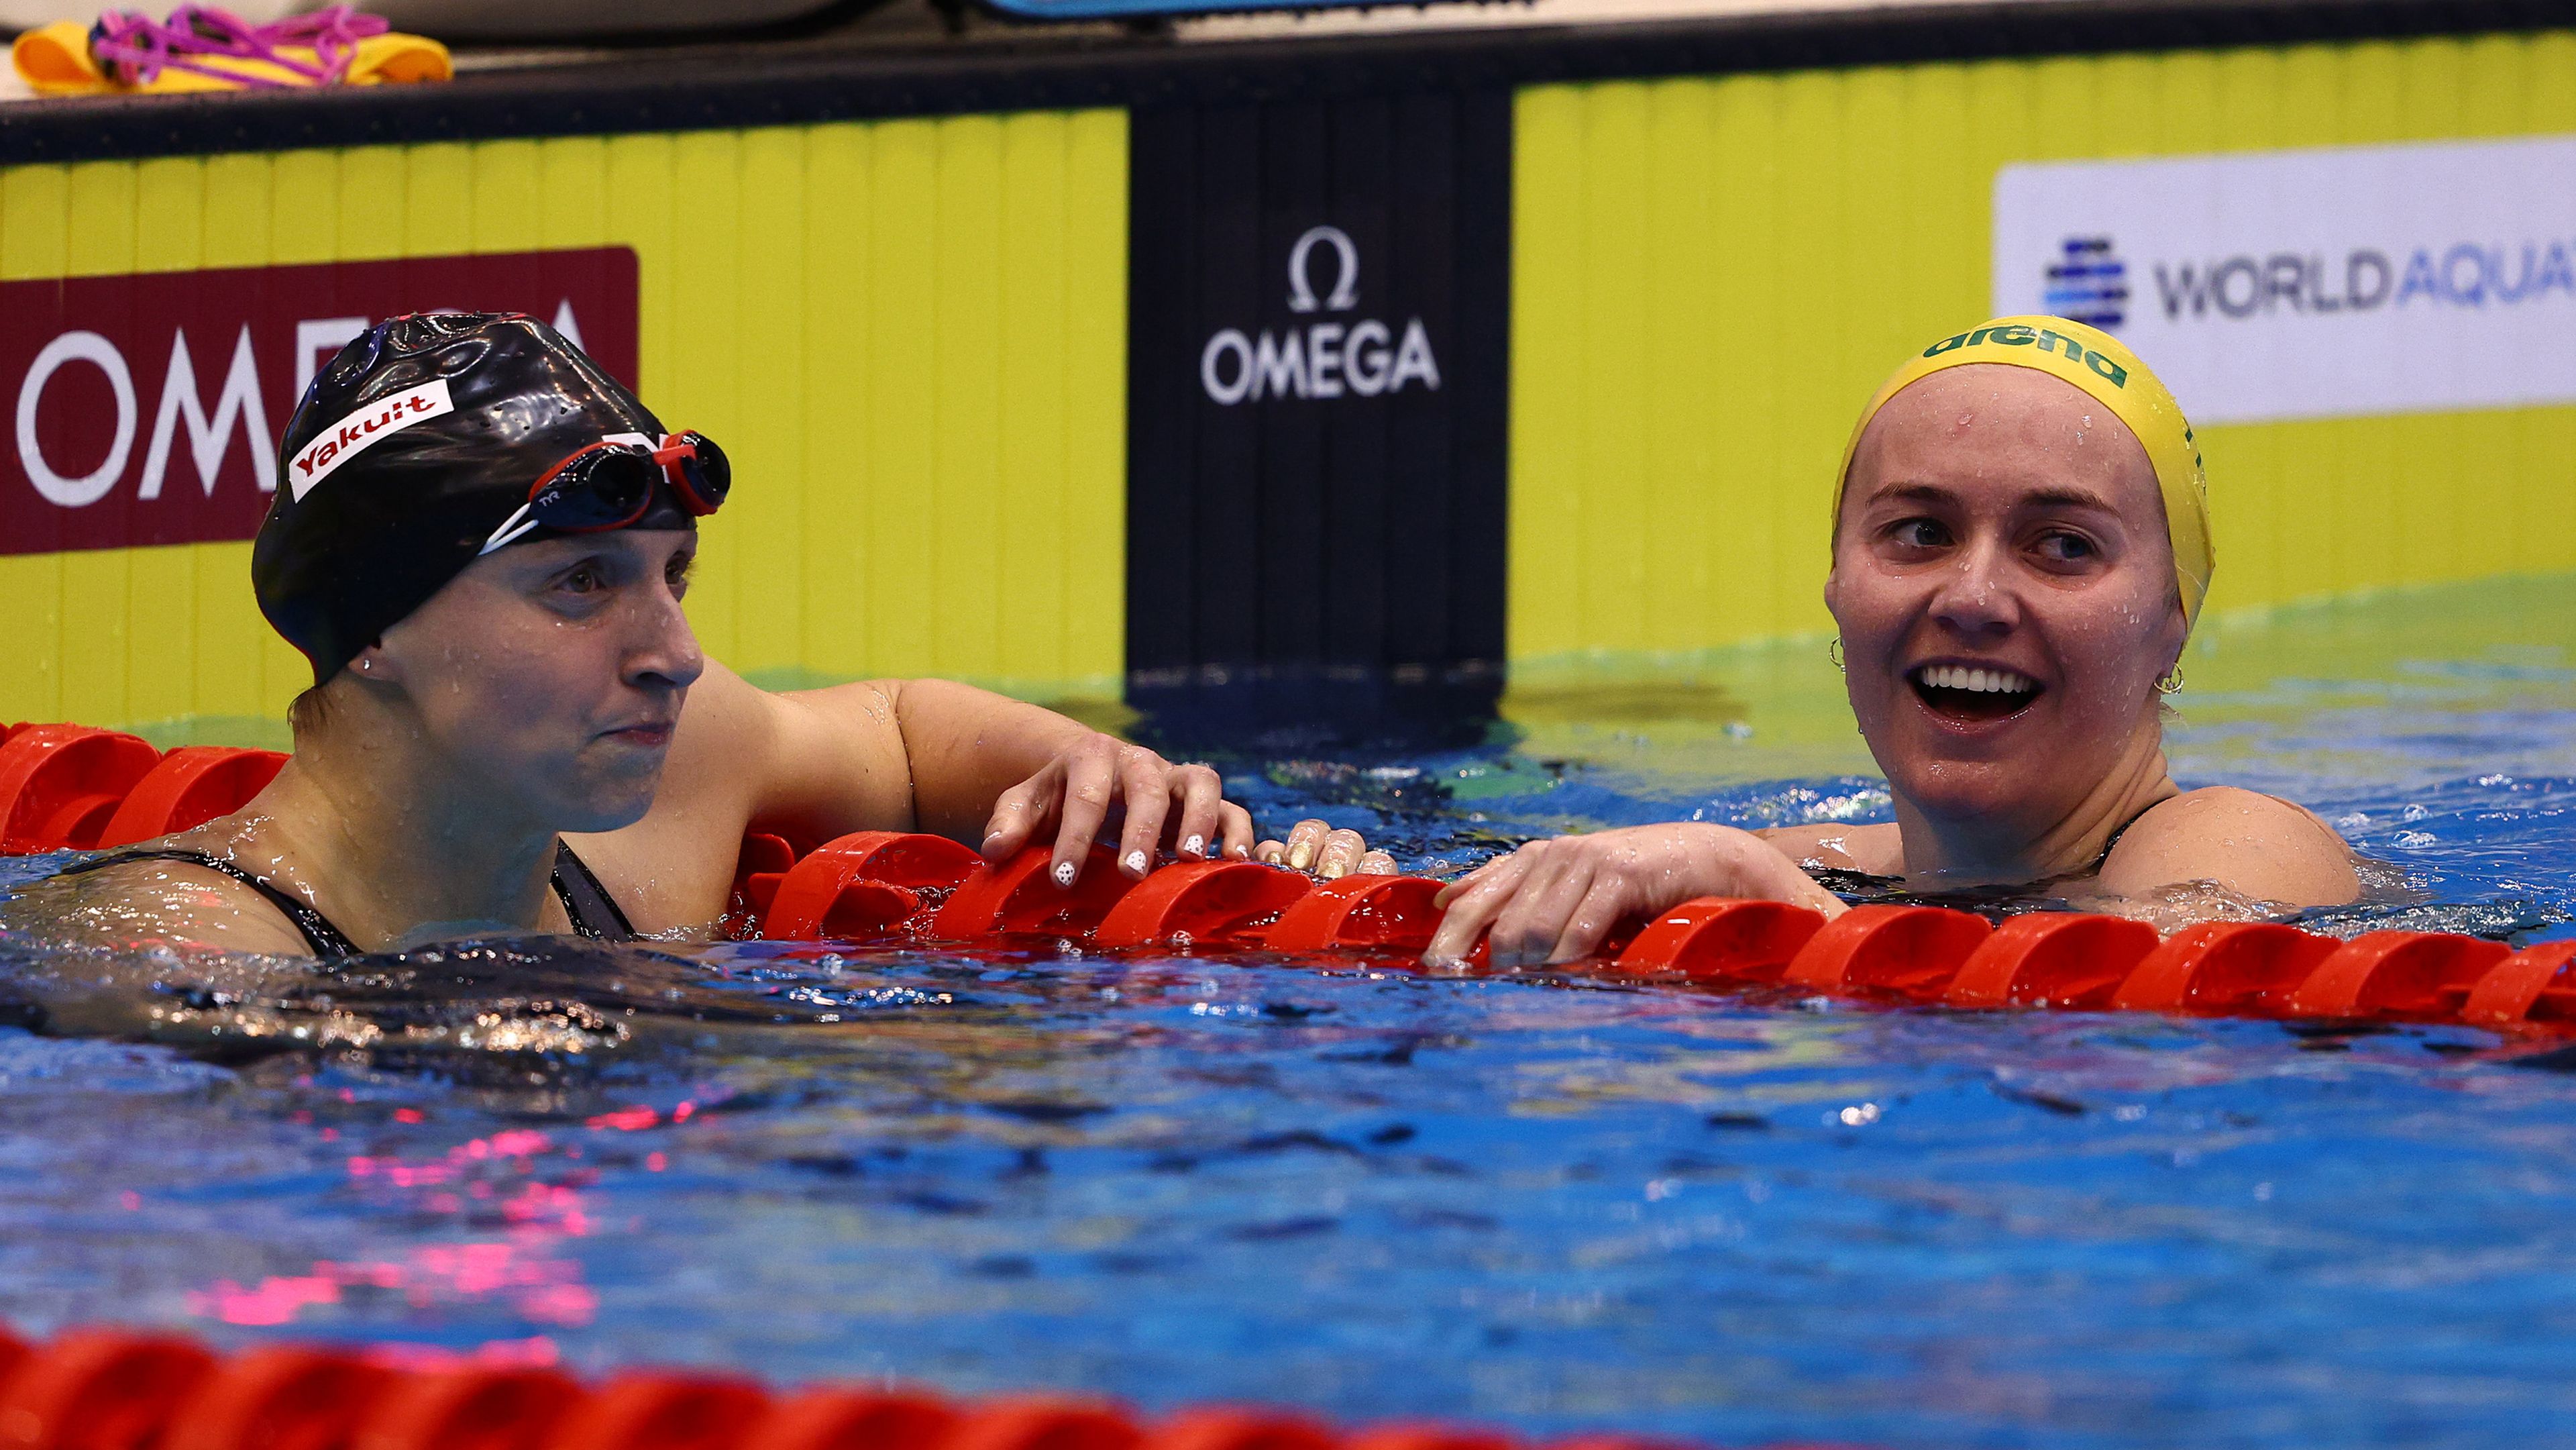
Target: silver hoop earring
{"points": [[1834, 652], [2170, 683]]}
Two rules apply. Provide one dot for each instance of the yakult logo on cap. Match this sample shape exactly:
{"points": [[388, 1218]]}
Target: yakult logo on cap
{"points": [[359, 431]]}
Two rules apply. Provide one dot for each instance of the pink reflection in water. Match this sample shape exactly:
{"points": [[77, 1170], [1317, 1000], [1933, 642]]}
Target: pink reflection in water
{"points": [[524, 1267]]}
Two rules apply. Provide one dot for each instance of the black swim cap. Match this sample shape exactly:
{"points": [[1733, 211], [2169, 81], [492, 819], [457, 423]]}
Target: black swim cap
{"points": [[414, 452]]}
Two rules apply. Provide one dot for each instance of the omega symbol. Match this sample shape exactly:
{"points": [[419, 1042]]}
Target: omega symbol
{"points": [[1346, 282]]}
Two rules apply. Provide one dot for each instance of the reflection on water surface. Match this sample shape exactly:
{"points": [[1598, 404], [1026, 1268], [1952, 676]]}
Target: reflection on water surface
{"points": [[1557, 1205]]}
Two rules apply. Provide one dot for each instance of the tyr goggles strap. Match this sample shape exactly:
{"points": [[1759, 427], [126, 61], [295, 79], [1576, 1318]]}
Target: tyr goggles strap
{"points": [[609, 485]]}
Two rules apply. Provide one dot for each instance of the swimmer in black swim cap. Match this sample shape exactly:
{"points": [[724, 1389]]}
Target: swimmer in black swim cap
{"points": [[481, 542]]}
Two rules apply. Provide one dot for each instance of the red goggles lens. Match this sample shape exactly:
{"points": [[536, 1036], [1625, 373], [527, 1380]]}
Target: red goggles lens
{"points": [[697, 470]]}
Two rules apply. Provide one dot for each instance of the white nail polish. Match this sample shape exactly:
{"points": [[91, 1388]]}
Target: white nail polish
{"points": [[1136, 862], [1194, 846], [1064, 873]]}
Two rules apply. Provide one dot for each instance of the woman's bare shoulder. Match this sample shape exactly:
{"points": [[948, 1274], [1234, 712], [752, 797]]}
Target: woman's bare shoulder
{"points": [[2257, 846], [1877, 850], [150, 902]]}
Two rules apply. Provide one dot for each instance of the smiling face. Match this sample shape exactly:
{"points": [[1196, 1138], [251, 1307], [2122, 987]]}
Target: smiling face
{"points": [[554, 671], [2005, 591]]}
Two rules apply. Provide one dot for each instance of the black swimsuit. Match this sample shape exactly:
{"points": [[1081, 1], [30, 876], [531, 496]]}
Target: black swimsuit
{"points": [[593, 911], [1862, 887]]}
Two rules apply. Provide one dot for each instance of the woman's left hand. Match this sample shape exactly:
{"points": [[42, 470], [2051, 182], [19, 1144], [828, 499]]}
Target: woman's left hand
{"points": [[1073, 794], [1557, 901]]}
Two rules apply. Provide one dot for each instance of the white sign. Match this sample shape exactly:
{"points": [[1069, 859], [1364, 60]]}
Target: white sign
{"points": [[362, 429], [2324, 283]]}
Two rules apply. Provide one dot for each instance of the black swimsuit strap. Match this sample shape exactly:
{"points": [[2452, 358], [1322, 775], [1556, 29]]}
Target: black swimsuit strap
{"points": [[325, 939], [1843, 881], [594, 913]]}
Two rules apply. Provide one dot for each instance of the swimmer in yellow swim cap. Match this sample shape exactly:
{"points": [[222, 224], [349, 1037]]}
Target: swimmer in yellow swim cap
{"points": [[2021, 546]]}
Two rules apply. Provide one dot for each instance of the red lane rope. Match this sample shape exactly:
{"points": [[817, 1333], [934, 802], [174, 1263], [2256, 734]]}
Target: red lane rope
{"points": [[110, 1389], [71, 787]]}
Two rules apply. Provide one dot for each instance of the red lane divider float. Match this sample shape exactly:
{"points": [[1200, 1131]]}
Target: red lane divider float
{"points": [[2222, 968], [1203, 902], [70, 787], [1716, 940], [100, 1389], [860, 885], [1884, 953], [189, 787], [1905, 951], [2051, 959]]}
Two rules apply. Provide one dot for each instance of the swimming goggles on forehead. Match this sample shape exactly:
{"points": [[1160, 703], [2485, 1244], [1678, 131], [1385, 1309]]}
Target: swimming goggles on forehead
{"points": [[609, 485]]}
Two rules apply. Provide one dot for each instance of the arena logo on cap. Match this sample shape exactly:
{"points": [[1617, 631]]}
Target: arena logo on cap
{"points": [[362, 430], [2017, 335], [148, 406]]}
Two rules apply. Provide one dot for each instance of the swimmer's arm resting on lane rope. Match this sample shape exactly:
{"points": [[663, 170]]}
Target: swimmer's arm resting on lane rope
{"points": [[899, 755], [1556, 901]]}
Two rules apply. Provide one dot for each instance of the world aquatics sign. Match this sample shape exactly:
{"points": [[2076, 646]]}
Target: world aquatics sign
{"points": [[2333, 282]]}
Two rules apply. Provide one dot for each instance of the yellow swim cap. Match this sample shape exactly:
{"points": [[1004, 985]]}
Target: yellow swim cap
{"points": [[2095, 361]]}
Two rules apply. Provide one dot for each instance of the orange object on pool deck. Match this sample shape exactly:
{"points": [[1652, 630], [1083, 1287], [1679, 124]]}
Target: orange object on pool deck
{"points": [[858, 885], [2397, 974], [1392, 912], [1232, 1429], [1712, 938], [60, 784], [98, 1387], [2243, 967], [283, 1397], [1020, 895], [64, 59], [647, 1411], [1043, 1424], [1912, 950], [837, 1419], [190, 786], [2051, 959], [2536, 984], [1202, 901], [478, 1408]]}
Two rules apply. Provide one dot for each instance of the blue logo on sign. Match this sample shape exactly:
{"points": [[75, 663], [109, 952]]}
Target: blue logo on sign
{"points": [[2088, 283]]}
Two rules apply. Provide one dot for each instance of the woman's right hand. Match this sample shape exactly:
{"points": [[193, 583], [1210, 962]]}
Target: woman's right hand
{"points": [[1557, 901]]}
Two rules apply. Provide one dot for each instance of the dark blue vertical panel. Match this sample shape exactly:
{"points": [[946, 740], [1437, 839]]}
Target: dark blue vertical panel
{"points": [[1319, 335]]}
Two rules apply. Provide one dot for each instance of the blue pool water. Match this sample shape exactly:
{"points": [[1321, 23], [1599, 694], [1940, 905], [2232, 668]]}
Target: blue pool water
{"points": [[1557, 1206]]}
